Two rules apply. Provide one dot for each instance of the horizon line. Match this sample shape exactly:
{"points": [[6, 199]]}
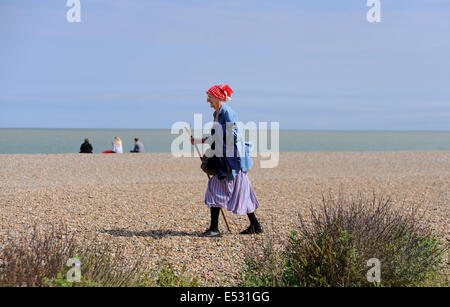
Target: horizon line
{"points": [[162, 129]]}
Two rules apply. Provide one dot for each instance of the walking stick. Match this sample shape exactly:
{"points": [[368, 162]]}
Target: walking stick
{"points": [[198, 151]]}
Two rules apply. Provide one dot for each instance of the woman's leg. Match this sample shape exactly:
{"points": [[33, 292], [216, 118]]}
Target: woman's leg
{"points": [[213, 230], [214, 219], [255, 226]]}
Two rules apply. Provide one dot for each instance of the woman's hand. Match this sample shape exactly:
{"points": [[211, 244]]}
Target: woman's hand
{"points": [[197, 141]]}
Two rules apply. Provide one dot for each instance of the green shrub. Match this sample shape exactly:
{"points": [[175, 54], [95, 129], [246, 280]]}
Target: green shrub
{"points": [[168, 277], [40, 259], [331, 249], [27, 259]]}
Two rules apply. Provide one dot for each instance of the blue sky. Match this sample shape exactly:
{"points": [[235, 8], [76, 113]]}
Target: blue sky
{"points": [[143, 64]]}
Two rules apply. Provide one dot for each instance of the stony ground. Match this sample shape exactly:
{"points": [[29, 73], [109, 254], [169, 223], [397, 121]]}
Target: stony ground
{"points": [[152, 204]]}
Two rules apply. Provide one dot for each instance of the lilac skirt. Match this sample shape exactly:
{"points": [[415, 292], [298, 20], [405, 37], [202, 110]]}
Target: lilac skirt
{"points": [[235, 195]]}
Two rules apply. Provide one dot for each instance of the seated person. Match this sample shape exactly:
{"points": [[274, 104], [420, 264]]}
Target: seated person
{"points": [[138, 146], [117, 146], [86, 147]]}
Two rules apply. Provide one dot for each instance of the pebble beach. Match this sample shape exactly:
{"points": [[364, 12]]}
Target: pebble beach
{"points": [[152, 204]]}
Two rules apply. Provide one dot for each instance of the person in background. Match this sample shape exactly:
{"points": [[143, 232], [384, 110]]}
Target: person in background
{"points": [[138, 146], [86, 147], [117, 146]]}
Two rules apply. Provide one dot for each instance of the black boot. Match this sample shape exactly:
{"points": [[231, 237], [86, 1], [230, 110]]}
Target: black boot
{"points": [[255, 226], [213, 230]]}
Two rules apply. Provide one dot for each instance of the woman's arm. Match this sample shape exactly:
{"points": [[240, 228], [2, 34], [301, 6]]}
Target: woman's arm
{"points": [[199, 141]]}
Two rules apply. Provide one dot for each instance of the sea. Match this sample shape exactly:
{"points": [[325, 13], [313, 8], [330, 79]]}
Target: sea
{"points": [[56, 141]]}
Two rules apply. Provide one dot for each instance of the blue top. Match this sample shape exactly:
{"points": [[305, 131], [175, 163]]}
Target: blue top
{"points": [[227, 115]]}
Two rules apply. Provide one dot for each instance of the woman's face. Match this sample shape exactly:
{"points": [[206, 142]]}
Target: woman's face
{"points": [[214, 102]]}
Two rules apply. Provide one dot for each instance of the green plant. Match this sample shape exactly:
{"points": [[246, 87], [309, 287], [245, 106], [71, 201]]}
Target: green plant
{"points": [[61, 281], [168, 277], [26, 260], [40, 259], [331, 248]]}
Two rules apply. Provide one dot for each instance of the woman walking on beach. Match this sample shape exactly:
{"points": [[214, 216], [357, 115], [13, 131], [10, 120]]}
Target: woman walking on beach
{"points": [[117, 146], [231, 187]]}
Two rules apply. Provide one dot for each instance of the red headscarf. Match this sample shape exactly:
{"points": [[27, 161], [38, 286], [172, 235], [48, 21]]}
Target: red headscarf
{"points": [[223, 92]]}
